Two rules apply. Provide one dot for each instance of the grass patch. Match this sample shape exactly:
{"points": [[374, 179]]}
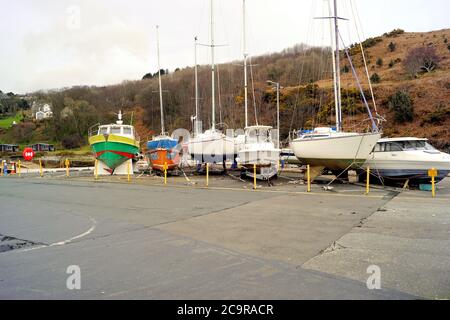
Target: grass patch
{"points": [[7, 122]]}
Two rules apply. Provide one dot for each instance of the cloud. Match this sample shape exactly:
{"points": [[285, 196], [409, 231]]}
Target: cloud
{"points": [[95, 52], [44, 44]]}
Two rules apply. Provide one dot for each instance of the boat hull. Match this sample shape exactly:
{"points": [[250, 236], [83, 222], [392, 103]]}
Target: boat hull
{"points": [[162, 159], [113, 150], [212, 149], [260, 158], [341, 152], [414, 171], [263, 173]]}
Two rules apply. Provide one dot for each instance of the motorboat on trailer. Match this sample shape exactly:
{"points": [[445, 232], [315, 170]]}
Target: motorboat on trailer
{"points": [[401, 159]]}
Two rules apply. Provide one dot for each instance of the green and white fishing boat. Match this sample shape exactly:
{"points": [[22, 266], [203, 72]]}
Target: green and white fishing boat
{"points": [[114, 144]]}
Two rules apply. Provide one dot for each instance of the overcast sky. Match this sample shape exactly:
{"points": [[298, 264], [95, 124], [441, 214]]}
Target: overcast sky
{"points": [[51, 44]]}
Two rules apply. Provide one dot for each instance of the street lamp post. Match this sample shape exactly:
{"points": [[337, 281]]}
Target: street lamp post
{"points": [[277, 87]]}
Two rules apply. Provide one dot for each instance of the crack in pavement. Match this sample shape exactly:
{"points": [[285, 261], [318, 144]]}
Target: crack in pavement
{"points": [[10, 243], [335, 246]]}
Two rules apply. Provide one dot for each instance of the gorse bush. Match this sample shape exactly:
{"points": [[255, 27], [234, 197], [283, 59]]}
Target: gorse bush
{"points": [[392, 46], [402, 106], [371, 42], [375, 78], [394, 33]]}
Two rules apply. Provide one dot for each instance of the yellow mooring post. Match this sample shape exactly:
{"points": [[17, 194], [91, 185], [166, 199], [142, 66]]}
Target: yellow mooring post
{"points": [[254, 177], [67, 163], [207, 174], [165, 172], [40, 168], [433, 174], [19, 165], [96, 169], [368, 181], [433, 187], [308, 176]]}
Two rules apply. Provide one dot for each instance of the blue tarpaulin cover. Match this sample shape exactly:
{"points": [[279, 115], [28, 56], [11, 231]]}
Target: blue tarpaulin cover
{"points": [[162, 144]]}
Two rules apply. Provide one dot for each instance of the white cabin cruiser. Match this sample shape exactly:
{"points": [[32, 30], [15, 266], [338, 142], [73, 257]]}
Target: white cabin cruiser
{"points": [[401, 159], [255, 148]]}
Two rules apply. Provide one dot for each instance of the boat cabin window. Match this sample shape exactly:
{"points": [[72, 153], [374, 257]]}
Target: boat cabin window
{"points": [[315, 136], [252, 134], [115, 130], [403, 146], [127, 131], [393, 147], [103, 130], [258, 135], [417, 145], [171, 155], [388, 147], [154, 156]]}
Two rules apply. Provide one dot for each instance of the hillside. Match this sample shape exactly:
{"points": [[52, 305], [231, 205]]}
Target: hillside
{"points": [[430, 92], [306, 100]]}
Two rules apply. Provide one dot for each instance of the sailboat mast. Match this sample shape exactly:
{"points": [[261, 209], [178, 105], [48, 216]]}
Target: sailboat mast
{"points": [[160, 86], [196, 89], [337, 70], [245, 64], [213, 93], [330, 13]]}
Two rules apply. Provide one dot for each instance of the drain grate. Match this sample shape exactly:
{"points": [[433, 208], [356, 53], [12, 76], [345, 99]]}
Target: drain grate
{"points": [[8, 243]]}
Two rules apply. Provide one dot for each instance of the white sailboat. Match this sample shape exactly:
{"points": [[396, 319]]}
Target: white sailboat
{"points": [[212, 146], [255, 147], [335, 149]]}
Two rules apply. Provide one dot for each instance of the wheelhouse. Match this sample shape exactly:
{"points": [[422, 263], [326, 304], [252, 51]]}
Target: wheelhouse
{"points": [[258, 134], [120, 130], [386, 145]]}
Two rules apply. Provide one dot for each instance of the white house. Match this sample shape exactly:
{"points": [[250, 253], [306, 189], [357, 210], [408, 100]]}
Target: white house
{"points": [[44, 112]]}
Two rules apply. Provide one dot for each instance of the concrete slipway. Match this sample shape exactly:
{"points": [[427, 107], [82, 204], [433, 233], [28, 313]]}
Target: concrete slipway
{"points": [[145, 240]]}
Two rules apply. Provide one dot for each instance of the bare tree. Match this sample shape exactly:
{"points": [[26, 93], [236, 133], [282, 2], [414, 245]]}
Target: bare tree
{"points": [[421, 60]]}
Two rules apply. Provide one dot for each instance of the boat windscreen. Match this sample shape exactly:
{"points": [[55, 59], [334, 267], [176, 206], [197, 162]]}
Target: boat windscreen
{"points": [[409, 145], [115, 130], [417, 145], [258, 136]]}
